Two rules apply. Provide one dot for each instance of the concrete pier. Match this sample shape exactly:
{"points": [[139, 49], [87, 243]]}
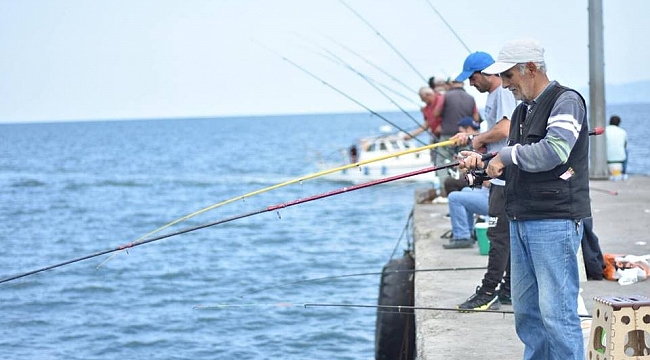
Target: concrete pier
{"points": [[621, 222]]}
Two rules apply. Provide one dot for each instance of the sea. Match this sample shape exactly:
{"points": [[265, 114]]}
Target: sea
{"points": [[74, 194]]}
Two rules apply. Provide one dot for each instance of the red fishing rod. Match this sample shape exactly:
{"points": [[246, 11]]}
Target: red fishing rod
{"points": [[597, 131], [242, 216]]}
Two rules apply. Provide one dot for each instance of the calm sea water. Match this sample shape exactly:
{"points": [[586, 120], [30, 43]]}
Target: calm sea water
{"points": [[73, 189]]}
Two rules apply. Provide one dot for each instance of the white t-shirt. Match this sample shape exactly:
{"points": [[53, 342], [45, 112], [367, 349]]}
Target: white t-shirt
{"points": [[500, 103]]}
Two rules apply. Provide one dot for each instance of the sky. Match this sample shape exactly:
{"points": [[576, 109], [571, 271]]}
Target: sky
{"points": [[70, 60]]}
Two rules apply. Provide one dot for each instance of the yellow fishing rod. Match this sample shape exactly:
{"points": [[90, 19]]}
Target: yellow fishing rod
{"points": [[298, 180], [289, 182]]}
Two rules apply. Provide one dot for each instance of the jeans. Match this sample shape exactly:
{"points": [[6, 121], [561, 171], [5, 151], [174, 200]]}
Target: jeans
{"points": [[545, 285], [462, 207]]}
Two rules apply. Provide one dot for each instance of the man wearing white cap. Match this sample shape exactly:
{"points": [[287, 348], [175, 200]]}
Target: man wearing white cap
{"points": [[545, 165]]}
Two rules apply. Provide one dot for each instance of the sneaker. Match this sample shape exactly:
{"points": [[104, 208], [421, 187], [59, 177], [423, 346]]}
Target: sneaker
{"points": [[504, 297], [481, 300], [459, 244]]}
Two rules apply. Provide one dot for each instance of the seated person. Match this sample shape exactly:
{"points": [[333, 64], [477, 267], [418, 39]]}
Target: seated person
{"points": [[456, 180], [463, 205]]}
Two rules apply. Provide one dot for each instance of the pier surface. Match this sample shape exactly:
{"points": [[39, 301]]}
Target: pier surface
{"points": [[621, 222]]}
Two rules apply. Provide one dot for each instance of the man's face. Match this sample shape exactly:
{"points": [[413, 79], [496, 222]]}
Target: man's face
{"points": [[428, 98], [520, 84], [480, 82]]}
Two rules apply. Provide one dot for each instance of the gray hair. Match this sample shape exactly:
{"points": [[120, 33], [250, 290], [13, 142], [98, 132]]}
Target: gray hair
{"points": [[541, 67]]}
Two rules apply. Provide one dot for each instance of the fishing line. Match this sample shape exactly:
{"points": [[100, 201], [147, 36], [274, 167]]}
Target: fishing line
{"points": [[335, 89], [409, 88], [384, 39], [336, 59], [334, 277], [399, 308], [241, 216], [406, 309], [340, 61], [448, 26], [407, 226]]}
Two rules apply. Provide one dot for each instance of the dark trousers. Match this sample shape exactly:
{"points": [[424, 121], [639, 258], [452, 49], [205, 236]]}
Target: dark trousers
{"points": [[498, 267], [591, 253]]}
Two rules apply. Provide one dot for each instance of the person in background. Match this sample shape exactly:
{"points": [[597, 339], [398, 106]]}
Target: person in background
{"points": [[457, 104], [499, 106], [432, 97], [456, 181], [616, 148], [546, 169], [468, 202], [432, 123], [592, 255]]}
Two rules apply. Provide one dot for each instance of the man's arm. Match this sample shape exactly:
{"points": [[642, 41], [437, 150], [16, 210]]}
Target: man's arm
{"points": [[563, 127], [497, 133]]}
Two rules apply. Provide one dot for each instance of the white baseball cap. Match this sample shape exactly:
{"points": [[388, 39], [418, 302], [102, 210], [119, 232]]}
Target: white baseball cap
{"points": [[516, 52]]}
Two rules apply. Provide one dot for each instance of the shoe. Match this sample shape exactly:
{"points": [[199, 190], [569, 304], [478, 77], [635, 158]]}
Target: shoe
{"points": [[504, 297], [447, 235], [481, 300], [459, 244]]}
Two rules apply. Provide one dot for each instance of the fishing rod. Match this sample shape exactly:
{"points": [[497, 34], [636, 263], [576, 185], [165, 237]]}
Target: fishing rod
{"points": [[409, 88], [336, 59], [448, 26], [336, 89], [334, 277], [333, 57], [384, 39], [406, 309], [286, 183], [340, 61], [357, 102], [270, 208]]}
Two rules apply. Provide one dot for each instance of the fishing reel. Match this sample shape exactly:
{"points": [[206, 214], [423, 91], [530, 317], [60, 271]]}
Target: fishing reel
{"points": [[476, 177]]}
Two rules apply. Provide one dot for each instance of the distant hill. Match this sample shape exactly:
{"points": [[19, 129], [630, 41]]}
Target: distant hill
{"points": [[627, 93]]}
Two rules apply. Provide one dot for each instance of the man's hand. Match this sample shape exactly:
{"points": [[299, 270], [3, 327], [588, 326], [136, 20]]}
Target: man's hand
{"points": [[470, 160], [495, 167], [477, 143], [460, 139]]}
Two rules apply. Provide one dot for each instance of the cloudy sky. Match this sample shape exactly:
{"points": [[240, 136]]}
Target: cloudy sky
{"points": [[91, 60]]}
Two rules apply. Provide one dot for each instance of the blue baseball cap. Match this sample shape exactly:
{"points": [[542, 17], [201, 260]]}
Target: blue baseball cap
{"points": [[469, 121], [477, 61]]}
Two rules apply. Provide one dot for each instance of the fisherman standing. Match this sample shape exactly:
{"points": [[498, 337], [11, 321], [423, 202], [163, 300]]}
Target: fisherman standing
{"points": [[547, 195]]}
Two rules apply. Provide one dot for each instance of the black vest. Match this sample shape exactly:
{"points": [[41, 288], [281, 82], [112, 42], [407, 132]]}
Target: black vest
{"points": [[546, 195]]}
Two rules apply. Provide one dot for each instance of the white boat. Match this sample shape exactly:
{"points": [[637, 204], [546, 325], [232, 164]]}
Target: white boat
{"points": [[376, 147]]}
